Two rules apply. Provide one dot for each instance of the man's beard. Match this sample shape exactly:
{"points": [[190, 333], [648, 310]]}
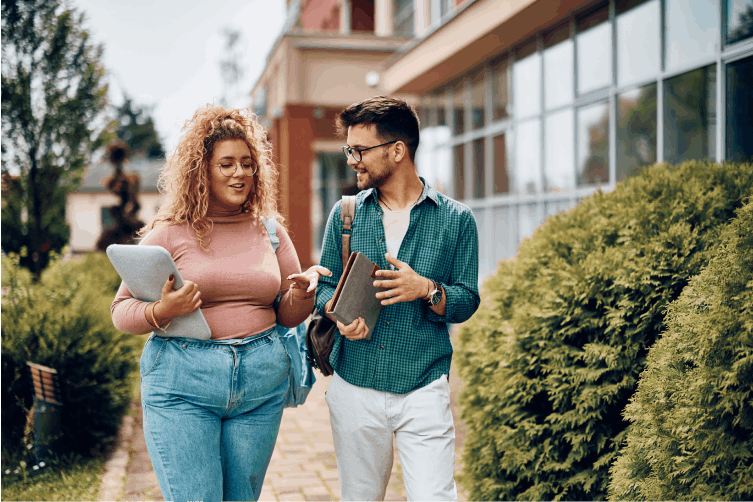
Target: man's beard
{"points": [[377, 179]]}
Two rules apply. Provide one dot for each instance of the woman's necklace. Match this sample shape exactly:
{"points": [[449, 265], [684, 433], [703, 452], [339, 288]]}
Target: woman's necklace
{"points": [[408, 207]]}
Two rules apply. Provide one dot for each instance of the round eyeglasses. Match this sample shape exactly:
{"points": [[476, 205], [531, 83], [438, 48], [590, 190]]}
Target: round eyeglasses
{"points": [[228, 168], [357, 153]]}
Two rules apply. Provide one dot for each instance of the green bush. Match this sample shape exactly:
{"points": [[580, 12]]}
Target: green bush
{"points": [[554, 353], [691, 432], [63, 322]]}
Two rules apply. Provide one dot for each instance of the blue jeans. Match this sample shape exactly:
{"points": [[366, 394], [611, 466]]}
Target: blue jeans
{"points": [[212, 411]]}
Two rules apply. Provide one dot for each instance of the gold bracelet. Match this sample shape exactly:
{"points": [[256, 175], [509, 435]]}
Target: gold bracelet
{"points": [[154, 319]]}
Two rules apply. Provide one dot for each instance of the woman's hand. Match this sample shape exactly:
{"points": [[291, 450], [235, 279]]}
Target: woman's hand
{"points": [[309, 279], [177, 302]]}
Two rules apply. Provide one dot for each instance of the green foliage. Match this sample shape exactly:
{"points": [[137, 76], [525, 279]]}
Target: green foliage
{"points": [[691, 432], [53, 99], [68, 478], [64, 322], [136, 128], [554, 353]]}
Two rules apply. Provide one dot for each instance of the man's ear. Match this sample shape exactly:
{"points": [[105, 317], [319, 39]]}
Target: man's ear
{"points": [[401, 151]]}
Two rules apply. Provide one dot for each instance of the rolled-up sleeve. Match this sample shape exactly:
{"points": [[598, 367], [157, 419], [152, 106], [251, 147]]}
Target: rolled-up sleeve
{"points": [[461, 289], [331, 258]]}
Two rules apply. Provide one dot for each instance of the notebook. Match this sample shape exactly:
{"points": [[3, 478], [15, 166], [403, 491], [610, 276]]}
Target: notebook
{"points": [[144, 270], [355, 295]]}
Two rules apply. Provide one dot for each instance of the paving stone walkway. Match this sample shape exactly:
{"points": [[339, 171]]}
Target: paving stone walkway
{"points": [[303, 465]]}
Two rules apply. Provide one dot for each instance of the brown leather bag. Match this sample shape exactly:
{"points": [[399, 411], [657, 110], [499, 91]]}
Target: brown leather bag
{"points": [[320, 334]]}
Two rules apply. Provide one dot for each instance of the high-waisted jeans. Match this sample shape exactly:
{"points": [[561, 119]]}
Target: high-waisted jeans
{"points": [[212, 411]]}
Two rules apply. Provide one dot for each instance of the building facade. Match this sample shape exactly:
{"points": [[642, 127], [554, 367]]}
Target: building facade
{"points": [[528, 106]]}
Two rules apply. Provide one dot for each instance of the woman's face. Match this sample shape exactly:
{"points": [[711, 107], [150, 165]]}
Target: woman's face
{"points": [[228, 193]]}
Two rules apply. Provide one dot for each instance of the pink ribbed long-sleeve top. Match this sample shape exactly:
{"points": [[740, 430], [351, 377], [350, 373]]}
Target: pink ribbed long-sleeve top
{"points": [[238, 276]]}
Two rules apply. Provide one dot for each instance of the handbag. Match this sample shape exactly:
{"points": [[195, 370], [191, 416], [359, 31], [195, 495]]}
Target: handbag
{"points": [[320, 334], [300, 377]]}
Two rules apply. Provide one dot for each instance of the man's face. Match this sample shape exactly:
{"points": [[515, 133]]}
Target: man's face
{"points": [[375, 168]]}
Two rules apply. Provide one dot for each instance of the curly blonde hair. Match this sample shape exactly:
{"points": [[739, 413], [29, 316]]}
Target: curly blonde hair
{"points": [[184, 180]]}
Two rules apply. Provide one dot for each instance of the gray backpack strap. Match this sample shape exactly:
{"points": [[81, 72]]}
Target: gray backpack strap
{"points": [[271, 226], [347, 215]]}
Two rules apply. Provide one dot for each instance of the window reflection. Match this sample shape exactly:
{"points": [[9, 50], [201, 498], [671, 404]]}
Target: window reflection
{"points": [[637, 41], [403, 18], [499, 89], [478, 101], [526, 81], [528, 157], [458, 106], [740, 110], [558, 68], [459, 163], [692, 30], [501, 180], [690, 116], [434, 158], [593, 144], [739, 20], [334, 180], [594, 44], [478, 168], [636, 130], [559, 158]]}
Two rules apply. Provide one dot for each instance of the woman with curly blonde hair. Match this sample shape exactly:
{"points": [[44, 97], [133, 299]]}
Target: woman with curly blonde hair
{"points": [[212, 408]]}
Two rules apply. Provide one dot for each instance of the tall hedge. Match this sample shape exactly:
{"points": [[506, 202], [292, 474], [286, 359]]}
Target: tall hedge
{"points": [[691, 432], [63, 322], [554, 353]]}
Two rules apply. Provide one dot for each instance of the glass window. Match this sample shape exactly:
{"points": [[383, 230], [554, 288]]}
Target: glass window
{"points": [[529, 219], [458, 106], [593, 144], [499, 89], [526, 82], [740, 110], [558, 68], [690, 116], [692, 30], [636, 130], [105, 216], [528, 157], [478, 168], [501, 180], [637, 41], [739, 20], [402, 19], [335, 180], [478, 99], [559, 155], [459, 162], [594, 44]]}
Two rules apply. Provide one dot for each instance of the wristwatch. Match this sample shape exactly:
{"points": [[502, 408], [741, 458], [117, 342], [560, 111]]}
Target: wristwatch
{"points": [[436, 295]]}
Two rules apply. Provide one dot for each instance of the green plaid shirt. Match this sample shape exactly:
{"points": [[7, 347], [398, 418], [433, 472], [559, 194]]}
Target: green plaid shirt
{"points": [[410, 346]]}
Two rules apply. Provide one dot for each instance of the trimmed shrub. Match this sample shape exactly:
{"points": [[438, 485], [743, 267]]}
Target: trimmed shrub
{"points": [[691, 432], [63, 322], [554, 353]]}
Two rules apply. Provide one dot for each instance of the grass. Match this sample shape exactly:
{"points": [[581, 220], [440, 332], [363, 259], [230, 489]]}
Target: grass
{"points": [[71, 478]]}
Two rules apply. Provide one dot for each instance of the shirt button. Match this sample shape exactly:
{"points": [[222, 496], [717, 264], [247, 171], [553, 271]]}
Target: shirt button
{"points": [[381, 348], [387, 322], [381, 240]]}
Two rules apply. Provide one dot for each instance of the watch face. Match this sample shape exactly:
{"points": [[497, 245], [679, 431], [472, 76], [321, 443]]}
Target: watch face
{"points": [[436, 297]]}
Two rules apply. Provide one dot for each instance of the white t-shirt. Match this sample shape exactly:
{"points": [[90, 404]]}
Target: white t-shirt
{"points": [[395, 227]]}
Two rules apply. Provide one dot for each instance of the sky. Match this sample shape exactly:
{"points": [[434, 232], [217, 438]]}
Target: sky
{"points": [[165, 54]]}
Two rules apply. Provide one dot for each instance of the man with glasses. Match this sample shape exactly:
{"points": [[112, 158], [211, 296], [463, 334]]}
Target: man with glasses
{"points": [[396, 383]]}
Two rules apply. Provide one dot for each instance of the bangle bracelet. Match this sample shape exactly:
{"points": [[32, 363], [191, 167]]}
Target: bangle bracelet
{"points": [[154, 319]]}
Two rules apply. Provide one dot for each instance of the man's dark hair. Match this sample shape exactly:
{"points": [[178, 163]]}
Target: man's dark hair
{"points": [[395, 120]]}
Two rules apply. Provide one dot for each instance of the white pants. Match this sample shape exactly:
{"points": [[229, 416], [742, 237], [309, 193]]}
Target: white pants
{"points": [[363, 422]]}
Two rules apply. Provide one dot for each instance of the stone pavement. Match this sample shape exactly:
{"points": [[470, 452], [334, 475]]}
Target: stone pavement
{"points": [[303, 465]]}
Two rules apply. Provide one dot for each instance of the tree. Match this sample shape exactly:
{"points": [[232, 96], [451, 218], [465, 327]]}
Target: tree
{"points": [[136, 128], [231, 67], [53, 103]]}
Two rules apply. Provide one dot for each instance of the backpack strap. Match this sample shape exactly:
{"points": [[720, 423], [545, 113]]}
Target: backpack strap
{"points": [[347, 215], [271, 226]]}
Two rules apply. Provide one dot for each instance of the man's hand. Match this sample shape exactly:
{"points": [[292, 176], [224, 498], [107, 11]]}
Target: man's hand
{"points": [[402, 285], [357, 330], [175, 303]]}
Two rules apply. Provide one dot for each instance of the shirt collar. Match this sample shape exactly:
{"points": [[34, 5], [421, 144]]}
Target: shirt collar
{"points": [[429, 191]]}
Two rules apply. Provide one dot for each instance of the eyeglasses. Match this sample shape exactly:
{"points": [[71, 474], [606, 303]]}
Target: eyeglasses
{"points": [[357, 153], [228, 168]]}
